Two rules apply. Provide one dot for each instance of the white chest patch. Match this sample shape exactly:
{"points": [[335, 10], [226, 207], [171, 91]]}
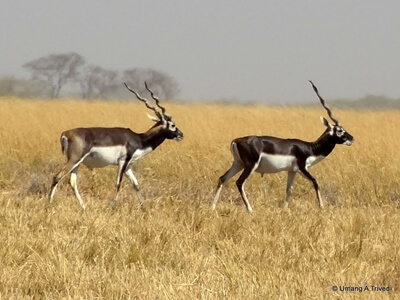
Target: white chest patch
{"points": [[100, 157], [140, 153], [312, 160], [270, 163]]}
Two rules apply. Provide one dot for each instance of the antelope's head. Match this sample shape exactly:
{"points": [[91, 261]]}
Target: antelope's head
{"points": [[336, 131], [162, 119]]}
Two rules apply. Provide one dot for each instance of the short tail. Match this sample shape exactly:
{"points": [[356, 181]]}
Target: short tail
{"points": [[235, 152], [64, 144]]}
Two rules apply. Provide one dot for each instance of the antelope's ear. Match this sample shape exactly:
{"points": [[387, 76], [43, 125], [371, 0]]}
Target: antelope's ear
{"points": [[326, 123], [154, 119]]}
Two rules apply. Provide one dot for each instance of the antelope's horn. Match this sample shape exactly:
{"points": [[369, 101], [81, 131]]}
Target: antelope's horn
{"points": [[157, 100], [330, 114], [146, 102]]}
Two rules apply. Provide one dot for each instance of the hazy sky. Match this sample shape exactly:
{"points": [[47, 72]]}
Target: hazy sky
{"points": [[245, 50]]}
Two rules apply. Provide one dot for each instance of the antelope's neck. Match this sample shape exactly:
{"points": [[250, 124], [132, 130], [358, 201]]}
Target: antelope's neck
{"points": [[324, 145], [153, 138]]}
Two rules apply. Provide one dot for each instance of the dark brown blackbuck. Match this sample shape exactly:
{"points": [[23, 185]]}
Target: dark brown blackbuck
{"points": [[98, 147], [268, 154]]}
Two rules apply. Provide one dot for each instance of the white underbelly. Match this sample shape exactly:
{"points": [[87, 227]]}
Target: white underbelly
{"points": [[270, 163], [100, 157]]}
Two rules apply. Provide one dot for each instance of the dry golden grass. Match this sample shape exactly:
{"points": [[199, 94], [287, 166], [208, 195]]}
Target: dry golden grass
{"points": [[177, 248]]}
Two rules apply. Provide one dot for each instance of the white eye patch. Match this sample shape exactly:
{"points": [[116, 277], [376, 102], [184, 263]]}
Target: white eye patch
{"points": [[172, 126], [340, 132]]}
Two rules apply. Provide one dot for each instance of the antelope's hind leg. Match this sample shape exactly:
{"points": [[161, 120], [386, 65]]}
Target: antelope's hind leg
{"points": [[233, 170], [66, 169], [74, 185]]}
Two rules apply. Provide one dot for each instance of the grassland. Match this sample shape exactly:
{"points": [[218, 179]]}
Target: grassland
{"points": [[177, 248]]}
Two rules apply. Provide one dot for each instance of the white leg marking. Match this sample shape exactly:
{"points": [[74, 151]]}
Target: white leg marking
{"points": [[243, 193], [248, 206], [119, 178], [289, 187], [135, 183], [319, 199], [217, 195], [53, 190], [73, 182]]}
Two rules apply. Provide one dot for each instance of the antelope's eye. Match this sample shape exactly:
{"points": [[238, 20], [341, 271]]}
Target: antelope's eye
{"points": [[340, 132], [172, 126]]}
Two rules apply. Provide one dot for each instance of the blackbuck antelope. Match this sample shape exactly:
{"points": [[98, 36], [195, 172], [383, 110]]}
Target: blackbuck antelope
{"points": [[98, 147], [268, 154]]}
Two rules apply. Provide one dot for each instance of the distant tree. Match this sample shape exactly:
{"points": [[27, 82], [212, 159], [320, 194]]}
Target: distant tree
{"points": [[8, 86], [162, 84], [95, 81], [11, 86], [56, 70]]}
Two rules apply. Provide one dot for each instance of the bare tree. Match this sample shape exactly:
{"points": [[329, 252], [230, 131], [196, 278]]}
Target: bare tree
{"points": [[162, 83], [95, 81], [56, 70]]}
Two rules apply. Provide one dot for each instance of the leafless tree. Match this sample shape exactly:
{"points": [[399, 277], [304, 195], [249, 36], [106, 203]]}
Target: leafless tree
{"points": [[56, 70], [94, 81], [161, 83]]}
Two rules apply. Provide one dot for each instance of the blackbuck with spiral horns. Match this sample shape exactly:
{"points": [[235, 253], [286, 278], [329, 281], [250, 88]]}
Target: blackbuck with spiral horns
{"points": [[268, 154], [98, 147]]}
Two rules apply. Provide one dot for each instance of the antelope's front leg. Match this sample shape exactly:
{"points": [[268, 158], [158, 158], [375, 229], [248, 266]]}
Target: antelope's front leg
{"points": [[135, 183], [289, 187], [122, 165], [307, 175], [240, 185]]}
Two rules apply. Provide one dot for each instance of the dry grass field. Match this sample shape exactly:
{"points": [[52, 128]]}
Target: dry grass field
{"points": [[176, 247]]}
